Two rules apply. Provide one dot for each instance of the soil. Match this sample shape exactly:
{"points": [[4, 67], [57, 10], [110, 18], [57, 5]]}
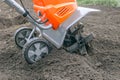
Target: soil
{"points": [[102, 63]]}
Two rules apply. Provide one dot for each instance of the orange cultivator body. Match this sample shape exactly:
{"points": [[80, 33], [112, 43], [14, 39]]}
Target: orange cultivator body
{"points": [[58, 25], [56, 11]]}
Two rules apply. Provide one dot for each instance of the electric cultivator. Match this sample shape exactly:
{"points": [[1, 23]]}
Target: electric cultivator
{"points": [[58, 25]]}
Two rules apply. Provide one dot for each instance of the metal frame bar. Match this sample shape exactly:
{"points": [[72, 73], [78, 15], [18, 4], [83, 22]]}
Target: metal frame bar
{"points": [[20, 9]]}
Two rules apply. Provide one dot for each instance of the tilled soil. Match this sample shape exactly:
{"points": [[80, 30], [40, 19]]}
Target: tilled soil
{"points": [[102, 63]]}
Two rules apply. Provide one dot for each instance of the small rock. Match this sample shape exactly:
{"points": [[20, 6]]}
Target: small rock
{"points": [[99, 64]]}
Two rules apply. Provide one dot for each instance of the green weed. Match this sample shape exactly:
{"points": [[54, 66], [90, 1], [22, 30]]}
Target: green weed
{"points": [[113, 3]]}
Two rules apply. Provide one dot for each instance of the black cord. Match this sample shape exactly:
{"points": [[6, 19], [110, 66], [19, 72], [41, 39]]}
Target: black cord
{"points": [[22, 4], [27, 13]]}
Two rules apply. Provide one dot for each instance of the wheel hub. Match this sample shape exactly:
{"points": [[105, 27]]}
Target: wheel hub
{"points": [[39, 52]]}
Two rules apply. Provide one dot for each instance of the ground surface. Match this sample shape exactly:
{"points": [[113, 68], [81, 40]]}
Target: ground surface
{"points": [[103, 63]]}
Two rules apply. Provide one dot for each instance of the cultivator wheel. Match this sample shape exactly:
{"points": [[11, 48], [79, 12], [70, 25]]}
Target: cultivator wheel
{"points": [[21, 36], [35, 49]]}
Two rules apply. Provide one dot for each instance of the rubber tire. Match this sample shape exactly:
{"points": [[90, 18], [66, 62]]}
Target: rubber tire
{"points": [[17, 33], [28, 45]]}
